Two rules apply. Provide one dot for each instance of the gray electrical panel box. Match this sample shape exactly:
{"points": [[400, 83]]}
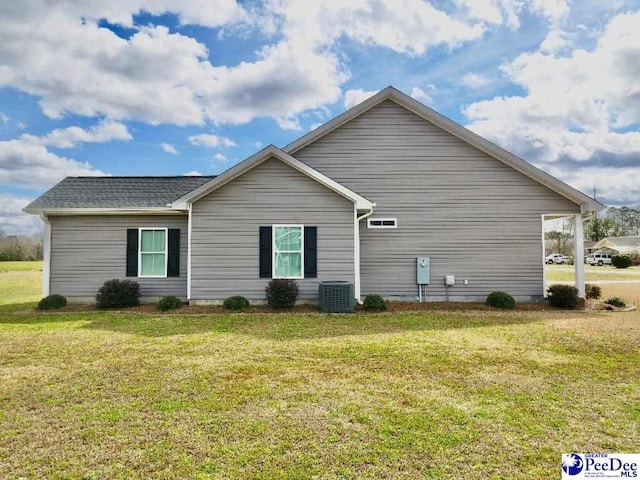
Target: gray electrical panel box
{"points": [[423, 269]]}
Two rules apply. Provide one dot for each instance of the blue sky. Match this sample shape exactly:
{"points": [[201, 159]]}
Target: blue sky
{"points": [[168, 87]]}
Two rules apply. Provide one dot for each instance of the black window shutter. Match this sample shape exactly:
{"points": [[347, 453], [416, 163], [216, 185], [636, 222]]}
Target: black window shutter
{"points": [[132, 252], [265, 252], [173, 262], [310, 252]]}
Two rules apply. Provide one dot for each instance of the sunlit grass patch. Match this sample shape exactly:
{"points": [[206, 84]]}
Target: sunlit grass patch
{"points": [[396, 395]]}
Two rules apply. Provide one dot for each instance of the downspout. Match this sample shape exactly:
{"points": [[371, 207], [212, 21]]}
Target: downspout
{"points": [[46, 256], [356, 241], [189, 223]]}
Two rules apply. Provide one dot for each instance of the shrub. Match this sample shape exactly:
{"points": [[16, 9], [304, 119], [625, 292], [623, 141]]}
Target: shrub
{"points": [[169, 303], [52, 302], [621, 261], [616, 302], [236, 303], [374, 303], [118, 294], [281, 293], [501, 300], [562, 296], [592, 291]]}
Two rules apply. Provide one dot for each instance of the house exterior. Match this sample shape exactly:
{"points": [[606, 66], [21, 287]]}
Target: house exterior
{"points": [[359, 199], [627, 245]]}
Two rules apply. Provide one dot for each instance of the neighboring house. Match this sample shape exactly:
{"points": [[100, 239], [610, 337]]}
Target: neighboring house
{"points": [[619, 245], [357, 199]]}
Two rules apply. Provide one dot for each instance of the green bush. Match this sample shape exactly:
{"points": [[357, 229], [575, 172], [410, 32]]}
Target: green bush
{"points": [[118, 294], [236, 303], [616, 302], [281, 293], [562, 296], [52, 302], [621, 261], [169, 303], [592, 291], [501, 300], [374, 303]]}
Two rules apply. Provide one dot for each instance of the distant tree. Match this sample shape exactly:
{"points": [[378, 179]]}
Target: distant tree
{"points": [[561, 240], [617, 222]]}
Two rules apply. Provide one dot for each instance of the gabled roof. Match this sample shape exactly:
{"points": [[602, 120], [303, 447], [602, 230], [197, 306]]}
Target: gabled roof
{"points": [[613, 242], [587, 203], [114, 193], [266, 153]]}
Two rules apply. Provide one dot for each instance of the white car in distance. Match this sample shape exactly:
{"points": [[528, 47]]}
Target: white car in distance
{"points": [[556, 258]]}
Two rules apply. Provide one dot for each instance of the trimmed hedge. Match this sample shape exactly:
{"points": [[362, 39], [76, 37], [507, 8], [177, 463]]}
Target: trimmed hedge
{"points": [[563, 296], [621, 261], [236, 303], [118, 294], [52, 302], [169, 303], [592, 291], [281, 293], [615, 302], [374, 303], [501, 300]]}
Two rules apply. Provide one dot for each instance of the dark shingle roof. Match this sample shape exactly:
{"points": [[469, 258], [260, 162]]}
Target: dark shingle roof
{"points": [[116, 192]]}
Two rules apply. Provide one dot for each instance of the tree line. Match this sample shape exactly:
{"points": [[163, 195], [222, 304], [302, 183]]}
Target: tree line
{"points": [[617, 222], [20, 247]]}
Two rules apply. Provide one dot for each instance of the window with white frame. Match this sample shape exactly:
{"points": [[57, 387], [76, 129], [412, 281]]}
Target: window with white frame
{"points": [[152, 251], [382, 223], [288, 251]]}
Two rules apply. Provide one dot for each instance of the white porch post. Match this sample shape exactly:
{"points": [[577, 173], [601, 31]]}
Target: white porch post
{"points": [[578, 254]]}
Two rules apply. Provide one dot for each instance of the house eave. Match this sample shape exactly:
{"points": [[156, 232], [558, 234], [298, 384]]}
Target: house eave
{"points": [[106, 211]]}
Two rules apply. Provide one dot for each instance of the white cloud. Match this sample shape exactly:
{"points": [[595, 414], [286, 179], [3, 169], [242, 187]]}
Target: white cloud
{"points": [[473, 80], [23, 163], [71, 136], [555, 41], [167, 148], [577, 109], [553, 10], [4, 119], [193, 173], [219, 157], [13, 221], [356, 96], [211, 141], [58, 52], [422, 96]]}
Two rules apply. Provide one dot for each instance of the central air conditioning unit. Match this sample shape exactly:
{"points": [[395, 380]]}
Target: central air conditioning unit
{"points": [[336, 296]]}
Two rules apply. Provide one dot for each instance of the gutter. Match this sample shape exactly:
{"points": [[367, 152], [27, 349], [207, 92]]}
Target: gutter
{"points": [[356, 228]]}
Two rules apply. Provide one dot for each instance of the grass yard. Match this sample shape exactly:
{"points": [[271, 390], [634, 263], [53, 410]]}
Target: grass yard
{"points": [[565, 273], [20, 266], [20, 286], [398, 395], [462, 394]]}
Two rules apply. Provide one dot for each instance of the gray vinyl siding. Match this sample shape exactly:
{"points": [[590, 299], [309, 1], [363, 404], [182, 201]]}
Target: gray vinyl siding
{"points": [[225, 231], [474, 216], [88, 250]]}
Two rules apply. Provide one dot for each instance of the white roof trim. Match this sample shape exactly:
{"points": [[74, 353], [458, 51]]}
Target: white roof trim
{"points": [[271, 152], [586, 203], [105, 211]]}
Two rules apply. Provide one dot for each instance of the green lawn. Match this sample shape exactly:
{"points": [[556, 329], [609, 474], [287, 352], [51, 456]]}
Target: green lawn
{"points": [[101, 395], [565, 273], [414, 395], [20, 266]]}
